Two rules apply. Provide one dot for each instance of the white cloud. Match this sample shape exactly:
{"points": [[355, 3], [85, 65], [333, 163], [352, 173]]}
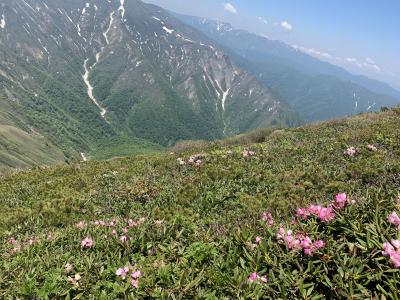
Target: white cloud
{"points": [[368, 63], [313, 52], [230, 8], [351, 60], [286, 25], [261, 19]]}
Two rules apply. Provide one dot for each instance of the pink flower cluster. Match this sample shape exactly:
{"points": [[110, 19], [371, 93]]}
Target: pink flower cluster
{"points": [[324, 214], [135, 275], [112, 223], [68, 268], [196, 159], [392, 250], [299, 241], [267, 217], [394, 219], [87, 243], [22, 245], [247, 153], [81, 225], [254, 277], [134, 223], [74, 280], [351, 151]]}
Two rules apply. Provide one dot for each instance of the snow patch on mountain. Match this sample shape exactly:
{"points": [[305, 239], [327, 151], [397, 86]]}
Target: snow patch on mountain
{"points": [[167, 30], [105, 34], [3, 22], [122, 9], [85, 77]]}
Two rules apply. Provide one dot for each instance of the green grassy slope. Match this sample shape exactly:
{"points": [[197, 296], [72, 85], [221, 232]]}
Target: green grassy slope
{"points": [[18, 149], [121, 147], [193, 229]]}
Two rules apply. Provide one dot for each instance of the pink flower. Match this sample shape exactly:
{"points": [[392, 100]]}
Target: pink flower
{"points": [[308, 252], [12, 241], [114, 232], [81, 225], [124, 230], [395, 259], [310, 249], [247, 153], [351, 151], [68, 268], [326, 214], [159, 222], [254, 277], [387, 249], [87, 243], [395, 243], [394, 219], [267, 217], [291, 242], [301, 241], [315, 209], [302, 213], [121, 273], [135, 278], [74, 280], [281, 233], [133, 223], [306, 242], [136, 274], [16, 249], [372, 148], [341, 200], [393, 251], [319, 244], [258, 240], [135, 283], [123, 238]]}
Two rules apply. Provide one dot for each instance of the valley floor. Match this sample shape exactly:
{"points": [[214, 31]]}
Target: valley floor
{"points": [[230, 222]]}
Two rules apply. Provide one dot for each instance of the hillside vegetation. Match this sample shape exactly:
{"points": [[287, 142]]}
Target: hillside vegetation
{"points": [[18, 149], [226, 222]]}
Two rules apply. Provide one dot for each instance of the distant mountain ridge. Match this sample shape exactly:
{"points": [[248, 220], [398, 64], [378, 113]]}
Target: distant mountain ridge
{"points": [[82, 72], [317, 89]]}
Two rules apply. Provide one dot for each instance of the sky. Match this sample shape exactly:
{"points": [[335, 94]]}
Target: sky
{"points": [[362, 36]]}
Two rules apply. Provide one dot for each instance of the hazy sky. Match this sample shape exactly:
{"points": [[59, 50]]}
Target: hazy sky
{"points": [[361, 35]]}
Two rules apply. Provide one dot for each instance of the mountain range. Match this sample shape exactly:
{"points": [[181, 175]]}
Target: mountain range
{"points": [[316, 89], [103, 78], [77, 74]]}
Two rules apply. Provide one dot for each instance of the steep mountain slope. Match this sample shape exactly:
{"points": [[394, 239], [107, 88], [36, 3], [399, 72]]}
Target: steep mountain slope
{"points": [[19, 149], [201, 230], [80, 71], [318, 90]]}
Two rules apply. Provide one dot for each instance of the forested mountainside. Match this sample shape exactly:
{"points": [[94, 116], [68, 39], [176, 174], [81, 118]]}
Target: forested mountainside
{"points": [[80, 73]]}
